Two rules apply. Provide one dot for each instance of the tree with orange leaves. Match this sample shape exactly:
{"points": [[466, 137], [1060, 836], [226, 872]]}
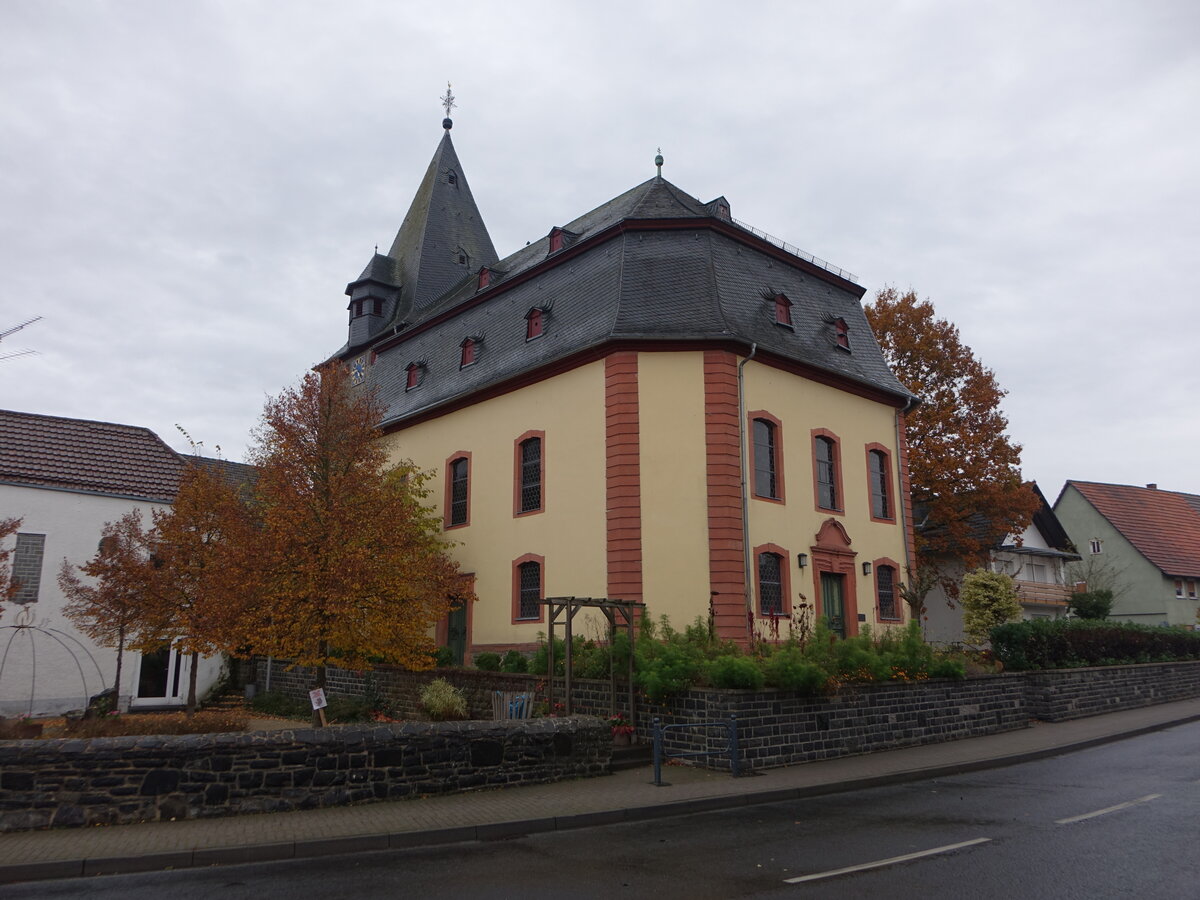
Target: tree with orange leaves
{"points": [[8, 585], [110, 607], [351, 563], [964, 468], [198, 586]]}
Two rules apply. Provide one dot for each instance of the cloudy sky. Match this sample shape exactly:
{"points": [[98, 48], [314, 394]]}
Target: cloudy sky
{"points": [[187, 187]]}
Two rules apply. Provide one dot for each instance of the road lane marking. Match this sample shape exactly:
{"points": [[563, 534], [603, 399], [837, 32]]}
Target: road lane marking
{"points": [[1106, 810], [879, 864]]}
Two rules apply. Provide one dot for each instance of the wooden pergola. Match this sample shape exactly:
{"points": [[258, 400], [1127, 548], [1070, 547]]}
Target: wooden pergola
{"points": [[618, 613]]}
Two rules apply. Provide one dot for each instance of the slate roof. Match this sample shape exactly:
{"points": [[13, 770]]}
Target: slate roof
{"points": [[685, 275], [81, 455], [1163, 526]]}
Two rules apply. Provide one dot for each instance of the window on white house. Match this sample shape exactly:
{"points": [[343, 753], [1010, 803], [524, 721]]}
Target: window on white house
{"points": [[27, 566], [1096, 546]]}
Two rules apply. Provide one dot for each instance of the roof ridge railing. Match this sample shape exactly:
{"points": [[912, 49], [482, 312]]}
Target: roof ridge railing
{"points": [[796, 251]]}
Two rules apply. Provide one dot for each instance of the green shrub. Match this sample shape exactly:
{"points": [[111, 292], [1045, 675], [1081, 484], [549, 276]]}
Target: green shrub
{"points": [[488, 661], [443, 657], [736, 672], [349, 709], [788, 670], [948, 668], [1095, 604], [442, 701], [513, 662], [537, 665], [988, 599]]}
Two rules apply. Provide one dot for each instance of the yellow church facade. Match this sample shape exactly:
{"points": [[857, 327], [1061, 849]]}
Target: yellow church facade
{"points": [[652, 402]]}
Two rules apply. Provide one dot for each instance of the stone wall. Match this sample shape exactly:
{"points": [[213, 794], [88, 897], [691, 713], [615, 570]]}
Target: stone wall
{"points": [[134, 779], [1057, 694]]}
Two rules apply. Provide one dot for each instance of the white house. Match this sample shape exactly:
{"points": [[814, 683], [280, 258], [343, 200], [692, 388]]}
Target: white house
{"points": [[64, 479]]}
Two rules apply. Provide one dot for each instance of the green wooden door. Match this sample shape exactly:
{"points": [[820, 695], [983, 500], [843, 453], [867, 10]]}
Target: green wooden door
{"points": [[456, 632], [833, 602]]}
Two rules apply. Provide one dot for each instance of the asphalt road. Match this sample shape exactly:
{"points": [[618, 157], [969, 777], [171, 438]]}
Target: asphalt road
{"points": [[1120, 820]]}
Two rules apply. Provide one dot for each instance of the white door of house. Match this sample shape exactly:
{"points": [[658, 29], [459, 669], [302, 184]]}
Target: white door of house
{"points": [[162, 678]]}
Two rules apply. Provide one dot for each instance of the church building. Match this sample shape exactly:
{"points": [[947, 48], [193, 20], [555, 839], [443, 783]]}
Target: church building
{"points": [[652, 401]]}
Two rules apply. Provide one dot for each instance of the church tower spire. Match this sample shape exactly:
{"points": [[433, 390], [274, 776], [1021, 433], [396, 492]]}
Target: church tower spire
{"points": [[441, 241]]}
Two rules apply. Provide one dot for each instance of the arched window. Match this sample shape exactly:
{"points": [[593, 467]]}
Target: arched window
{"points": [[879, 478], [841, 333], [412, 376], [885, 592], [458, 490], [770, 584], [529, 474], [528, 583], [828, 478], [767, 480]]}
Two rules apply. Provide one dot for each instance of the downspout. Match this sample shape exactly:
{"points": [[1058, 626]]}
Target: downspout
{"points": [[747, 574], [901, 443]]}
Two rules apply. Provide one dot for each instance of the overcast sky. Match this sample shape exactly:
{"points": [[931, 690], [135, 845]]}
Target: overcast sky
{"points": [[187, 187]]}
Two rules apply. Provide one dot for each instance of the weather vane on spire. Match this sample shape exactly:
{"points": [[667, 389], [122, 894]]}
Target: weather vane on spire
{"points": [[448, 104]]}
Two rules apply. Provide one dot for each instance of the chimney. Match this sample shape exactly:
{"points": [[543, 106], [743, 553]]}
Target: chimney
{"points": [[1152, 487]]}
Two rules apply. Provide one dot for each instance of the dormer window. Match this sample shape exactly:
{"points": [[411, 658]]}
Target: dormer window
{"points": [[556, 240], [376, 307], [533, 324], [468, 353], [485, 278], [783, 311], [412, 376], [451, 177], [841, 333]]}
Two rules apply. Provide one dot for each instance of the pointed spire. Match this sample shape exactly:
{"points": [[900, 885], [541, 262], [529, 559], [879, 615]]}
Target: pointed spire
{"points": [[443, 238]]}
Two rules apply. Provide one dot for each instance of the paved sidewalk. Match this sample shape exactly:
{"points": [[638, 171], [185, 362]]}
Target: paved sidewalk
{"points": [[622, 797]]}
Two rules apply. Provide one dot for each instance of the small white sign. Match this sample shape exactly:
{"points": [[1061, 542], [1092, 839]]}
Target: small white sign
{"points": [[318, 698]]}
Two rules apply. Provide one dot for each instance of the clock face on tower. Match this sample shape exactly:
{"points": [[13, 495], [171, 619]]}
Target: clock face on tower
{"points": [[358, 370]]}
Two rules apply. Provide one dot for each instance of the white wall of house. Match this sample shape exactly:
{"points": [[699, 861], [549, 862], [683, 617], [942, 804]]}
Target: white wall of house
{"points": [[54, 668]]}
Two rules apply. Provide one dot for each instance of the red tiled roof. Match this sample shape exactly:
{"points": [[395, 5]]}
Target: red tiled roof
{"points": [[76, 454], [1164, 526]]}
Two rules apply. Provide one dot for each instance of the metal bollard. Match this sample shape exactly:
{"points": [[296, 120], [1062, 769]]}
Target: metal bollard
{"points": [[657, 731]]}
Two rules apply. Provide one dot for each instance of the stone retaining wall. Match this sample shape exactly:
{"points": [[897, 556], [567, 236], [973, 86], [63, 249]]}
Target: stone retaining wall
{"points": [[1057, 694], [118, 780]]}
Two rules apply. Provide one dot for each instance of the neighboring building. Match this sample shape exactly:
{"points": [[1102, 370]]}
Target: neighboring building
{"points": [[1036, 559], [1147, 539], [579, 403], [65, 478]]}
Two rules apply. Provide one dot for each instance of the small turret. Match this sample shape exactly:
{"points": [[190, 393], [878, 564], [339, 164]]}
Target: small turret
{"points": [[373, 298]]}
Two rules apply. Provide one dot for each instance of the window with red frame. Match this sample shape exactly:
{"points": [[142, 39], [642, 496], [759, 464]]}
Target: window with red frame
{"points": [[485, 278], [841, 333], [468, 353], [531, 474], [460, 472], [533, 324], [529, 588], [770, 584], [783, 310], [827, 480], [881, 501], [885, 590], [412, 376], [766, 469], [556, 240]]}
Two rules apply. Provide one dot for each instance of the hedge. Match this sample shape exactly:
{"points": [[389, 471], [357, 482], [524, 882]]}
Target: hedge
{"points": [[1071, 643]]}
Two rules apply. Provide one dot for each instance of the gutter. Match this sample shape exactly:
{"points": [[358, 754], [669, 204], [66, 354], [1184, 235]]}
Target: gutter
{"points": [[748, 576]]}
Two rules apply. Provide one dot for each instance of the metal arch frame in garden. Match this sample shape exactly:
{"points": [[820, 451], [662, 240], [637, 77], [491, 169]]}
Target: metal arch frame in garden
{"points": [[611, 609]]}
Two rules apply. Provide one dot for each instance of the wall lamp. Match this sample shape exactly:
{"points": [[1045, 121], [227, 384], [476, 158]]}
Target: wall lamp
{"points": [[802, 559], [866, 568]]}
